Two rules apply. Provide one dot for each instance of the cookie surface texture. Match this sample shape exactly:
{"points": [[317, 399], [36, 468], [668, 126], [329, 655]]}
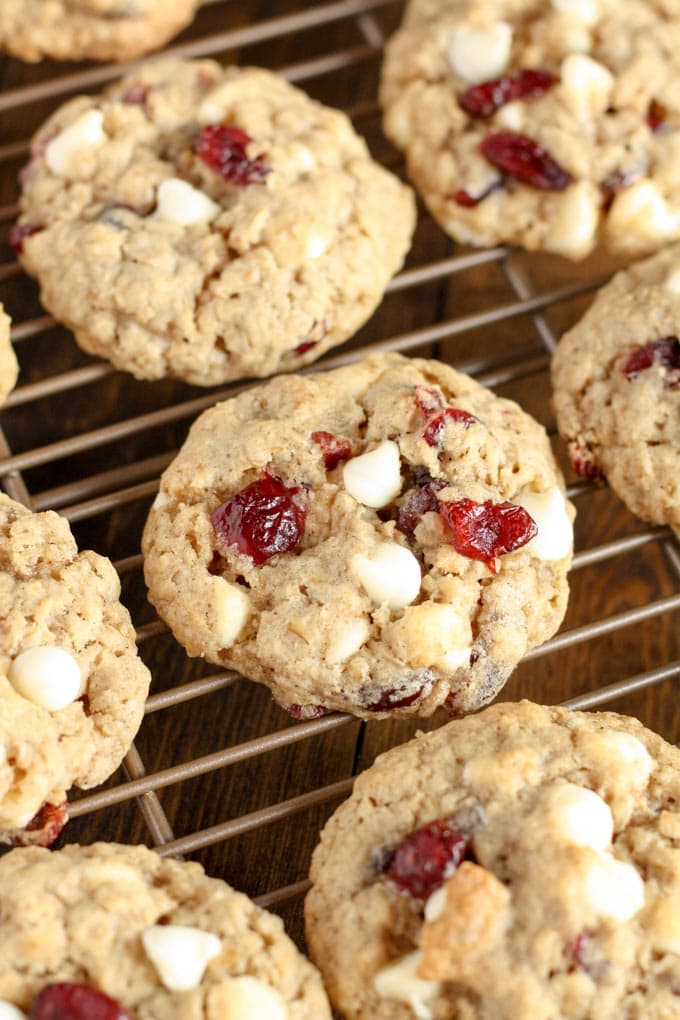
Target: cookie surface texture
{"points": [[9, 369], [550, 126], [73, 686], [520, 863], [170, 942], [616, 381], [90, 29], [339, 538], [209, 224]]}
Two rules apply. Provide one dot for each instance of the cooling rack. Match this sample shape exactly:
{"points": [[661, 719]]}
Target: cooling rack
{"points": [[219, 772]]}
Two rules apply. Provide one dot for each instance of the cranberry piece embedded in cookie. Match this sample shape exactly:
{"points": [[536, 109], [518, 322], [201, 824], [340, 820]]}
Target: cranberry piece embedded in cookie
{"points": [[303, 712], [483, 100], [426, 858], [67, 1001], [43, 828], [223, 149], [418, 503], [395, 697], [657, 115], [261, 520], [524, 159], [434, 430], [483, 531], [582, 460], [428, 400], [468, 201], [665, 353], [18, 235], [135, 94], [334, 448]]}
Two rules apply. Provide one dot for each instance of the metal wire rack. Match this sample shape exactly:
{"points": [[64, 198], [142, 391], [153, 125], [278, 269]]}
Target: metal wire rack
{"points": [[217, 771]]}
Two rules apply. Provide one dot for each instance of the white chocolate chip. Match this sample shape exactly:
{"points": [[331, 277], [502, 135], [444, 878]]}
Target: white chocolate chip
{"points": [[180, 954], [178, 202], [574, 221], [390, 575], [346, 639], [231, 610], [246, 998], [215, 104], [672, 281], [63, 151], [400, 981], [614, 888], [579, 816], [548, 510], [374, 478], [432, 635], [585, 85], [435, 904], [316, 246], [511, 116], [47, 676], [612, 749], [641, 209], [10, 1012], [586, 11], [480, 54]]}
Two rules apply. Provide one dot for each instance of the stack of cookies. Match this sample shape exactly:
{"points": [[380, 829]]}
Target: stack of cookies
{"points": [[384, 539]]}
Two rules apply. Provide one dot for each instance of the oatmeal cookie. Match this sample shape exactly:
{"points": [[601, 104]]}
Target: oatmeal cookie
{"points": [[9, 368], [72, 687], [208, 224], [616, 380], [384, 538], [157, 936], [520, 864], [553, 126], [90, 29]]}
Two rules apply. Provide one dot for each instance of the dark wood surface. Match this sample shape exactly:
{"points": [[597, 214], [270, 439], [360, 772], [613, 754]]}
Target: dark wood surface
{"points": [[509, 354]]}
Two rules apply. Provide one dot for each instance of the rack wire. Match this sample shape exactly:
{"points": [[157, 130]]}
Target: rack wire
{"points": [[252, 787]]}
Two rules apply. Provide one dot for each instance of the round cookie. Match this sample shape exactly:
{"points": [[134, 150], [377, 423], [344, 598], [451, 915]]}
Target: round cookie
{"points": [[72, 687], [363, 540], [9, 369], [521, 864], [90, 29], [616, 381], [551, 126], [208, 224], [157, 936]]}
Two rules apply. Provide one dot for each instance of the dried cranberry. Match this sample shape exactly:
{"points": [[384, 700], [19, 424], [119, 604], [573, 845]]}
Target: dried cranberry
{"points": [[261, 520], [334, 448], [304, 712], [469, 201], [428, 400], [434, 430], [394, 697], [665, 353], [18, 235], [483, 100], [306, 345], [524, 159], [424, 860], [657, 115], [483, 531], [223, 149], [66, 1001], [582, 460], [43, 828], [135, 94], [420, 502]]}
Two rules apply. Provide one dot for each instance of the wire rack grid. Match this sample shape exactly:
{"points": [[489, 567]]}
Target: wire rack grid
{"points": [[217, 771]]}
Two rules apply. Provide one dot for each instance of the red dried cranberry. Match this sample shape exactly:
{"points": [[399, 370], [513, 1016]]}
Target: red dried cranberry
{"points": [[524, 159], [261, 520], [434, 430], [43, 828], [582, 460], [483, 531], [18, 235], [135, 94], [577, 949], [469, 201], [304, 712], [657, 115], [428, 400], [426, 858], [67, 1001], [223, 149], [665, 353], [334, 448], [483, 100], [306, 345], [420, 502], [394, 697]]}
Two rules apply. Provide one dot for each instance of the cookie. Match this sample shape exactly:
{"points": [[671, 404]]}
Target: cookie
{"points": [[90, 29], [9, 368], [616, 381], [551, 126], [72, 687], [208, 224], [523, 863], [383, 538], [157, 936]]}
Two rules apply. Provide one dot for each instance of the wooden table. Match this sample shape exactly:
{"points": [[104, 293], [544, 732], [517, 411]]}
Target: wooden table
{"points": [[218, 772]]}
